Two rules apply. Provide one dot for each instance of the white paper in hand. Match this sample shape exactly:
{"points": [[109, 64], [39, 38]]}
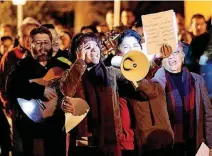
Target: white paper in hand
{"points": [[203, 150], [81, 110], [159, 28]]}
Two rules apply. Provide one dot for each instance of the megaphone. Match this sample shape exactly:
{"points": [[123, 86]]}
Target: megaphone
{"points": [[134, 65]]}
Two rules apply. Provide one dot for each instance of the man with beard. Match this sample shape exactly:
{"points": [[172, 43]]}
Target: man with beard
{"points": [[33, 66]]}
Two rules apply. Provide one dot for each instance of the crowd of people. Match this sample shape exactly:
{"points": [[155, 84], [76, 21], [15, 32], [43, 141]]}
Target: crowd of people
{"points": [[168, 112]]}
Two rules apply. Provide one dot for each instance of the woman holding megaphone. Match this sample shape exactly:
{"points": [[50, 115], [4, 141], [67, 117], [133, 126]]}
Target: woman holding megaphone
{"points": [[147, 104], [113, 123]]}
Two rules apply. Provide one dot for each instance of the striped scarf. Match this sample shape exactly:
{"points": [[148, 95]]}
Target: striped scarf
{"points": [[182, 113]]}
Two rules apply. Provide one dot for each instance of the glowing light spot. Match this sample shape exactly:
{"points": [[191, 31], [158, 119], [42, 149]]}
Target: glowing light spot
{"points": [[28, 107]]}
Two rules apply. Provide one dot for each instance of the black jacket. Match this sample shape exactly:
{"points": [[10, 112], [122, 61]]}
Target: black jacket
{"points": [[18, 80]]}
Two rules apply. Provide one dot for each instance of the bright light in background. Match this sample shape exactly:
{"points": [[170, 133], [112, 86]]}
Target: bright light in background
{"points": [[117, 6], [19, 2]]}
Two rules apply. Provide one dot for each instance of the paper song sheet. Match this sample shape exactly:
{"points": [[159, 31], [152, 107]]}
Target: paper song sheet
{"points": [[203, 150], [81, 110], [159, 28]]}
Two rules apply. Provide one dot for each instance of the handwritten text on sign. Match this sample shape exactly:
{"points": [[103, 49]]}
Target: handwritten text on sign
{"points": [[159, 28]]}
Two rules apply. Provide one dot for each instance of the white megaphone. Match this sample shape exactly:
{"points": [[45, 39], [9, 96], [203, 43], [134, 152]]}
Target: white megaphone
{"points": [[134, 65]]}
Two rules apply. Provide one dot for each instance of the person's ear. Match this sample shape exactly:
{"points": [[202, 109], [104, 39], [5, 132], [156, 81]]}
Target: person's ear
{"points": [[31, 44], [183, 60]]}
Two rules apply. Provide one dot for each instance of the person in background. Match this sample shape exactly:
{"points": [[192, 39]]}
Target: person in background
{"points": [[198, 25], [89, 28], [199, 42], [55, 38], [110, 19], [180, 22], [59, 27], [6, 45], [59, 56], [30, 20], [127, 18], [183, 34], [65, 38], [188, 104], [9, 59], [206, 65], [6, 30]]}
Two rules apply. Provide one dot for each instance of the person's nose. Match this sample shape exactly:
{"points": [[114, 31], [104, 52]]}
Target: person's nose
{"points": [[93, 48], [199, 26], [27, 40], [42, 45], [170, 56]]}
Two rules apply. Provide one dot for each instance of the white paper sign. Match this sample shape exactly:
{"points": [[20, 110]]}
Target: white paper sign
{"points": [[203, 150], [159, 28]]}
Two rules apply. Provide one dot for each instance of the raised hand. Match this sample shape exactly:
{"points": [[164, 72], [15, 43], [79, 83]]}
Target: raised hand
{"points": [[165, 51], [83, 49]]}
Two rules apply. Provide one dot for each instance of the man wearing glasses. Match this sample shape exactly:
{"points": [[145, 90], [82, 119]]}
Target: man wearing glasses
{"points": [[33, 66]]}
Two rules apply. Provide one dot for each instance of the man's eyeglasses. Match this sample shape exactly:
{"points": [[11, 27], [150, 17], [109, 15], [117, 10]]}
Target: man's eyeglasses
{"points": [[39, 44]]}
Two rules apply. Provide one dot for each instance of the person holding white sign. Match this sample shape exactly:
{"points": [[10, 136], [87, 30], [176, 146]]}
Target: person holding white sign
{"points": [[188, 104], [147, 129]]}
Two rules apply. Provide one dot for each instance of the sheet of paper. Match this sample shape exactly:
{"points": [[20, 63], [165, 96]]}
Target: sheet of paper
{"points": [[159, 28], [81, 109], [72, 121], [203, 150]]}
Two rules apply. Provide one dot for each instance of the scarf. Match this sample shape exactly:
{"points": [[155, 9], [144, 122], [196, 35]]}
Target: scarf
{"points": [[98, 75], [181, 111], [100, 96]]}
